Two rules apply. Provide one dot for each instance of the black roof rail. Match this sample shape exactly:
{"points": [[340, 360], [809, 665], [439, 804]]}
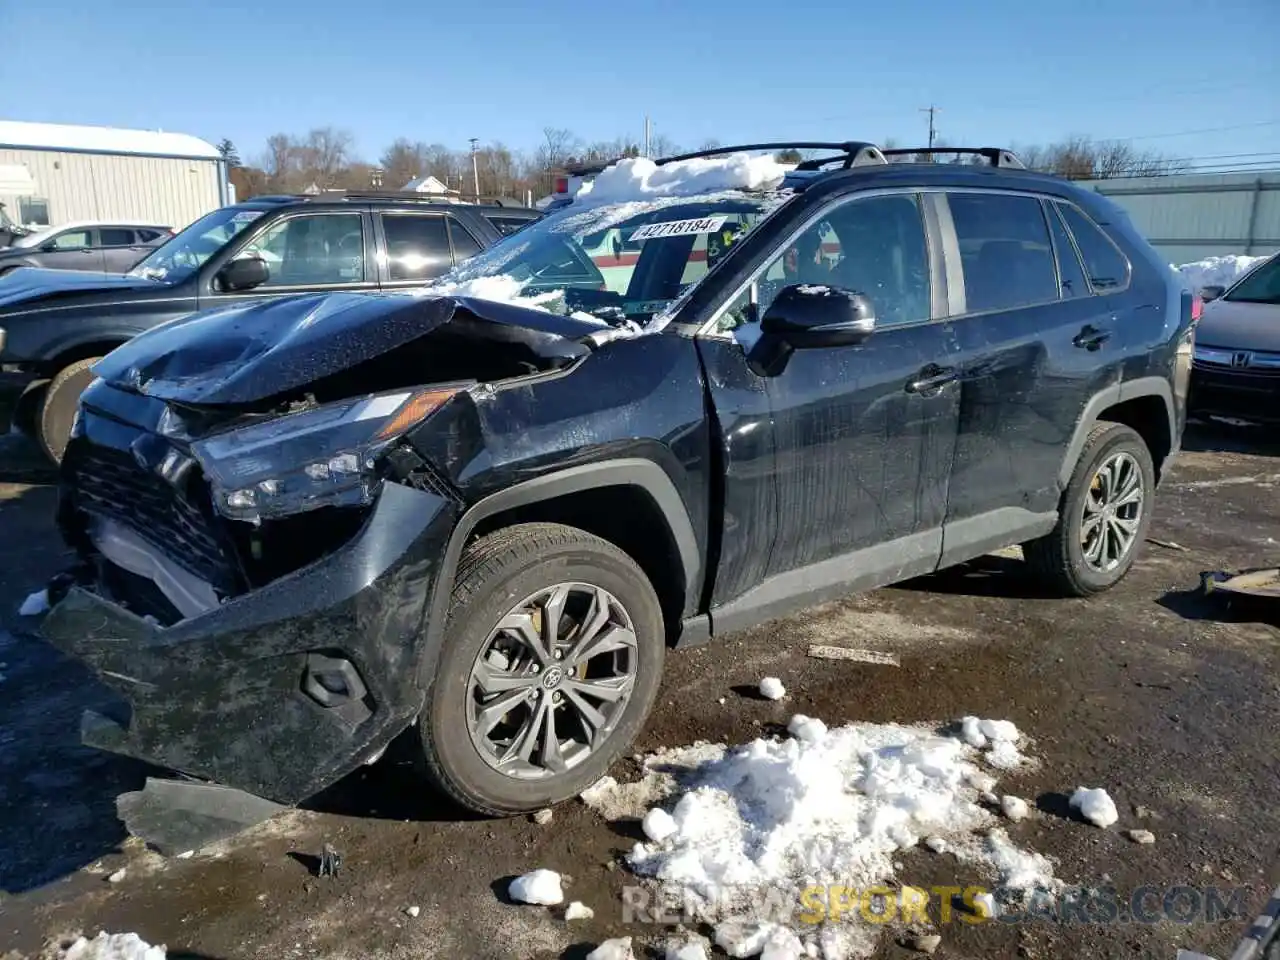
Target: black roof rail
{"points": [[852, 152], [997, 156], [414, 196], [274, 198]]}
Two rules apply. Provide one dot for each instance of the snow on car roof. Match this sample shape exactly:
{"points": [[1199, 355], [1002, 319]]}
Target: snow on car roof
{"points": [[639, 178], [145, 143]]}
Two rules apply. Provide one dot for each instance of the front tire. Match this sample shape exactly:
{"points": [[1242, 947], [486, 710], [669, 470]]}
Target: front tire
{"points": [[59, 408], [551, 661], [1103, 517]]}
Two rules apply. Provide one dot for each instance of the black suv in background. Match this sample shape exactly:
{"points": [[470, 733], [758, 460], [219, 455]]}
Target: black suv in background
{"points": [[306, 526], [54, 326]]}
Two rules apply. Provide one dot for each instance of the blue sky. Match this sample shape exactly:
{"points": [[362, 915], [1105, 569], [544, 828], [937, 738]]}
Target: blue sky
{"points": [[1001, 71]]}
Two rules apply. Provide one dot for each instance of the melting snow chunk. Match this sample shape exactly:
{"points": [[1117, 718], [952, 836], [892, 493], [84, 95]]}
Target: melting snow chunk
{"points": [[658, 825], [541, 886], [771, 688], [578, 911], [35, 604], [1015, 808], [114, 946], [693, 950], [806, 729], [1095, 806], [617, 949]]}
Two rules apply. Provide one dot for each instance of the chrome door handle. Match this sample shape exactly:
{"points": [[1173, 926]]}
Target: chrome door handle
{"points": [[931, 379]]}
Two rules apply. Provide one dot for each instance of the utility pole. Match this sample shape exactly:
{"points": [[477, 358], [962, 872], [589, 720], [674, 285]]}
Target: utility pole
{"points": [[475, 168], [930, 110], [646, 135]]}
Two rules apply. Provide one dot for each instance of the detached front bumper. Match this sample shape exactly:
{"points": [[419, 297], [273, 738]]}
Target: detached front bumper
{"points": [[283, 690]]}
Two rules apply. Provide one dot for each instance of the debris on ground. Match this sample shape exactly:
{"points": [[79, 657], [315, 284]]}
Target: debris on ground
{"points": [[578, 911], [330, 861], [822, 807], [1095, 805], [539, 886], [771, 688], [824, 652], [117, 876], [1140, 836], [36, 604], [1262, 582], [618, 948], [1015, 808], [543, 816], [1167, 544], [923, 942], [113, 946], [413, 911]]}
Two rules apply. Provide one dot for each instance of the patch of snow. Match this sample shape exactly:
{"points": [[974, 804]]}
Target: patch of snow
{"points": [[658, 825], [114, 946], [117, 876], [693, 950], [1015, 808], [984, 904], [826, 807], [143, 143], [1001, 736], [771, 688], [1095, 805], [543, 817], [186, 854], [1003, 755], [36, 604], [999, 730], [971, 730], [618, 948], [413, 911], [639, 178], [539, 886], [578, 911], [1214, 271]]}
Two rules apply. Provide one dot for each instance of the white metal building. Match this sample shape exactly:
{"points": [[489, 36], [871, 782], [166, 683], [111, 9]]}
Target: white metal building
{"points": [[54, 173]]}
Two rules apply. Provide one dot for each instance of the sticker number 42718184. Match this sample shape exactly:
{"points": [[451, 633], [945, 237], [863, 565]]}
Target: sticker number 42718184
{"points": [[678, 228]]}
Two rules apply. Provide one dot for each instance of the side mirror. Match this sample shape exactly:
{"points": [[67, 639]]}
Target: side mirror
{"points": [[807, 315], [1212, 292], [244, 274]]}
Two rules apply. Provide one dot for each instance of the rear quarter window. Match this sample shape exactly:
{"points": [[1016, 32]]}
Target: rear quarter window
{"points": [[1106, 267]]}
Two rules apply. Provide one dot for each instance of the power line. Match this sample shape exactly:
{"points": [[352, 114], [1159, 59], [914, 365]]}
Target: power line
{"points": [[1188, 133]]}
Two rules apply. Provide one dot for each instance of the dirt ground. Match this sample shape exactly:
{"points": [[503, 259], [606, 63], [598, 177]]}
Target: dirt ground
{"points": [[1168, 699]]}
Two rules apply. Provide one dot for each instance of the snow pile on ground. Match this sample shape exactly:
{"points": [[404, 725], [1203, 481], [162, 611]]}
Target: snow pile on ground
{"points": [[1214, 271], [35, 604], [114, 946], [825, 807], [771, 688], [639, 178], [1095, 805], [540, 886]]}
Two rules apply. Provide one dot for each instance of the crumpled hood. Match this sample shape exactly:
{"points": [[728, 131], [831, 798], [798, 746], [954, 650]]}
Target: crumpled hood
{"points": [[1240, 326], [28, 284], [262, 349]]}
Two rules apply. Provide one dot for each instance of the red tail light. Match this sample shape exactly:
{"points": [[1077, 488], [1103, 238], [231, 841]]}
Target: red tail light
{"points": [[562, 185], [1197, 309]]}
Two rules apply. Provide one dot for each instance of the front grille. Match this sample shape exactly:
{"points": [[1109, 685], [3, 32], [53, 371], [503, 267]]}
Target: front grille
{"points": [[111, 484]]}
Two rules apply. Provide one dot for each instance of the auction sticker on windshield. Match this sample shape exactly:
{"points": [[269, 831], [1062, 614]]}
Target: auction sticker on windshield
{"points": [[678, 228], [246, 216]]}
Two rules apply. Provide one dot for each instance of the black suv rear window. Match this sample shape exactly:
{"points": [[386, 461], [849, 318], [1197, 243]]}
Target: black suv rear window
{"points": [[509, 225]]}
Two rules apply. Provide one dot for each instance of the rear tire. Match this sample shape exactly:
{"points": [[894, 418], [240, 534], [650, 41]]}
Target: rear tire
{"points": [[1098, 536], [514, 576], [59, 408]]}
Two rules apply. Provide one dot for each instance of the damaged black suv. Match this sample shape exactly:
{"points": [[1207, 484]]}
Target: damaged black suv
{"points": [[707, 392]]}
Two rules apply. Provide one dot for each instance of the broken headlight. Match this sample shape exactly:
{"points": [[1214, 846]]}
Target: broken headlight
{"points": [[322, 457]]}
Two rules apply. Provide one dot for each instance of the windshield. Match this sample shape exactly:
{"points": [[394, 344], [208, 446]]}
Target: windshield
{"points": [[622, 263], [1260, 286], [184, 254]]}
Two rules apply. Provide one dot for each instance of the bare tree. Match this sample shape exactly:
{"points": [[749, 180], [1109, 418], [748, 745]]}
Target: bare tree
{"points": [[324, 155]]}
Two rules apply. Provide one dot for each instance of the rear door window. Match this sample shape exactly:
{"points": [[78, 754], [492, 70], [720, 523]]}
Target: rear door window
{"points": [[116, 237], [417, 246], [1107, 267], [1005, 251]]}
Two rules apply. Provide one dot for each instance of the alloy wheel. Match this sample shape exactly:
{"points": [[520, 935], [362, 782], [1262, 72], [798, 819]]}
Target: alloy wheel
{"points": [[1112, 512], [551, 681]]}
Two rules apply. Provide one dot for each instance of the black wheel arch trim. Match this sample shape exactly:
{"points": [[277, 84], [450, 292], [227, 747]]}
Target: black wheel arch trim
{"points": [[631, 471], [1110, 396]]}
